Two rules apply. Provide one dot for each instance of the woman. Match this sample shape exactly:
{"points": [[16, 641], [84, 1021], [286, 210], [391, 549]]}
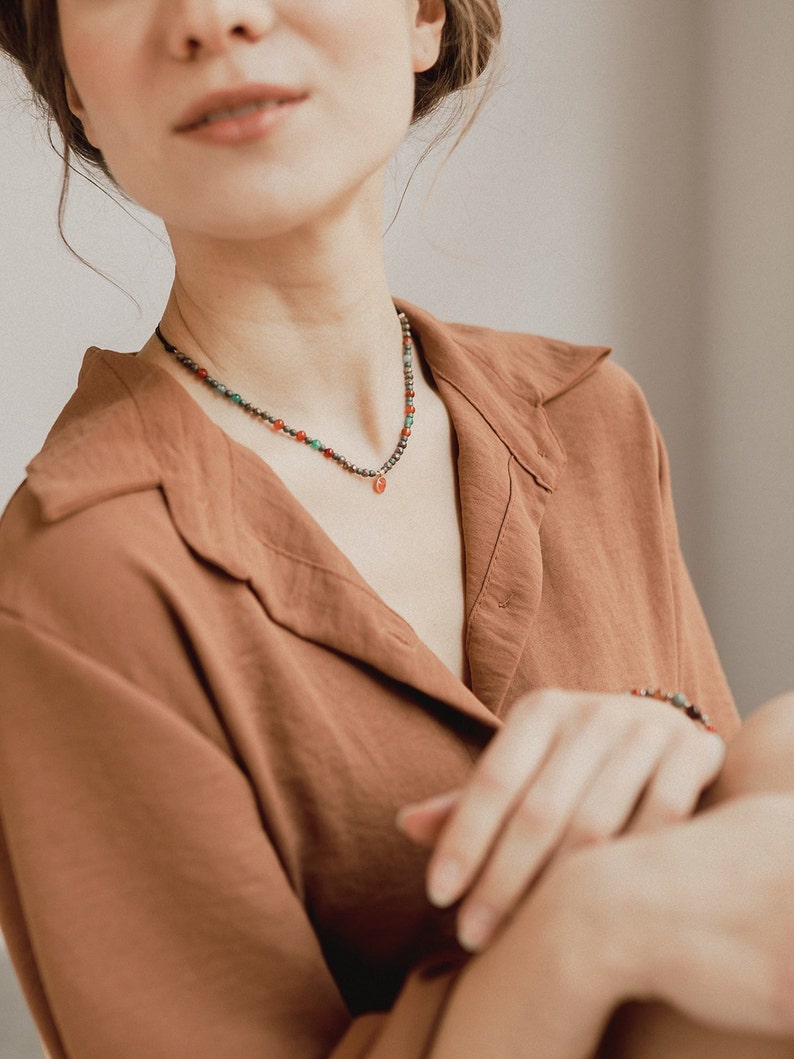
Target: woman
{"points": [[230, 652]]}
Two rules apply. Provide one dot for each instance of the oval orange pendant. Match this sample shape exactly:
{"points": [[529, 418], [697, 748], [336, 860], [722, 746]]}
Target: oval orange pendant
{"points": [[379, 485]]}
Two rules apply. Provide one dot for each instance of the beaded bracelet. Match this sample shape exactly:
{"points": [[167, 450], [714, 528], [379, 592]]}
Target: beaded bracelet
{"points": [[677, 699]]}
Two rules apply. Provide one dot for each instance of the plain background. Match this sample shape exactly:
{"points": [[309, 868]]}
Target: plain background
{"points": [[630, 183]]}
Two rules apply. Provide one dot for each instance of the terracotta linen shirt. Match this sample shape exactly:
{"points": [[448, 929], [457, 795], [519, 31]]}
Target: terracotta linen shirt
{"points": [[208, 720]]}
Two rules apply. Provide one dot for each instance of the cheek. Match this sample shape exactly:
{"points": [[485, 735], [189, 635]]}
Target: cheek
{"points": [[370, 39], [98, 58], [373, 64]]}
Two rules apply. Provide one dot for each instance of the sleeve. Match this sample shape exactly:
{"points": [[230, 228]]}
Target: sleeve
{"points": [[700, 673], [145, 909]]}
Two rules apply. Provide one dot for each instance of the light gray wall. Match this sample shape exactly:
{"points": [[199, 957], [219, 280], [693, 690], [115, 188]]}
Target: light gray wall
{"points": [[746, 563], [630, 183]]}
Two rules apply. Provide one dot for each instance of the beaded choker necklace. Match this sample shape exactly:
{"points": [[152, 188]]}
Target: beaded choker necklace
{"points": [[280, 427]]}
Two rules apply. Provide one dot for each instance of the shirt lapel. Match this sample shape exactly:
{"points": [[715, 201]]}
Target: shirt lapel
{"points": [[502, 507], [509, 463], [235, 513]]}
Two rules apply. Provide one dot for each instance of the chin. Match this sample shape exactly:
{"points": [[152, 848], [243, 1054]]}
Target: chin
{"points": [[253, 194], [255, 214]]}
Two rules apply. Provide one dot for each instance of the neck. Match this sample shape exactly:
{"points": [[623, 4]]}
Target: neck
{"points": [[303, 320]]}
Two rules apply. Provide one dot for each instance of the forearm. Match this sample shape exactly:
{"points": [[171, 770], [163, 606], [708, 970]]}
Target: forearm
{"points": [[546, 987], [656, 1031], [472, 1026]]}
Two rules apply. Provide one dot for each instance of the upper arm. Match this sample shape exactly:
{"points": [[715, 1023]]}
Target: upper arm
{"points": [[156, 911]]}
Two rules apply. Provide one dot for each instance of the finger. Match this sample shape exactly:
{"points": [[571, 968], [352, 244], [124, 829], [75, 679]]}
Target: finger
{"points": [[423, 822], [616, 791], [691, 763], [501, 773], [535, 828]]}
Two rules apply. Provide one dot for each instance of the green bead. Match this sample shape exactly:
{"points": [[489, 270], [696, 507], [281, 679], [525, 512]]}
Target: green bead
{"points": [[236, 398], [409, 420], [316, 444]]}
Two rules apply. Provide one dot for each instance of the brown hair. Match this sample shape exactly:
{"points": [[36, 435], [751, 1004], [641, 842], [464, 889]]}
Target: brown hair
{"points": [[29, 34], [470, 38]]}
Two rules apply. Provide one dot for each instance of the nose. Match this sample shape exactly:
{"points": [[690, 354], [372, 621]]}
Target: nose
{"points": [[210, 27]]}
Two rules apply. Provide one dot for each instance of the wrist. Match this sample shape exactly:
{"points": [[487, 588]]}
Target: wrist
{"points": [[595, 917], [636, 906]]}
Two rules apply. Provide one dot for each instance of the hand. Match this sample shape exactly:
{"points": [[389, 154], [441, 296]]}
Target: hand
{"points": [[567, 769], [708, 914]]}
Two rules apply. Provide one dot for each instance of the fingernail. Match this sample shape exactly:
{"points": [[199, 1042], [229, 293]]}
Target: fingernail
{"points": [[399, 819], [476, 927], [434, 804], [444, 882]]}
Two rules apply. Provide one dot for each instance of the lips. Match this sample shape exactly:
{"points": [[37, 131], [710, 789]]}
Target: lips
{"points": [[236, 112], [233, 103]]}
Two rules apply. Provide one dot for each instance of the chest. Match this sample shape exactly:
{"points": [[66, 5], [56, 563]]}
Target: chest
{"points": [[411, 554], [406, 543]]}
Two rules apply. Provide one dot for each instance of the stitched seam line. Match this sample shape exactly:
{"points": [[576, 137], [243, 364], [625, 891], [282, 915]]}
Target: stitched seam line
{"points": [[500, 540]]}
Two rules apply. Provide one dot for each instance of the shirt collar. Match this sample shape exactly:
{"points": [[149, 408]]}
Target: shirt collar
{"points": [[508, 377]]}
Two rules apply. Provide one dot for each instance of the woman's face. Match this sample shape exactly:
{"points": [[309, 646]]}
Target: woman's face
{"points": [[245, 118]]}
